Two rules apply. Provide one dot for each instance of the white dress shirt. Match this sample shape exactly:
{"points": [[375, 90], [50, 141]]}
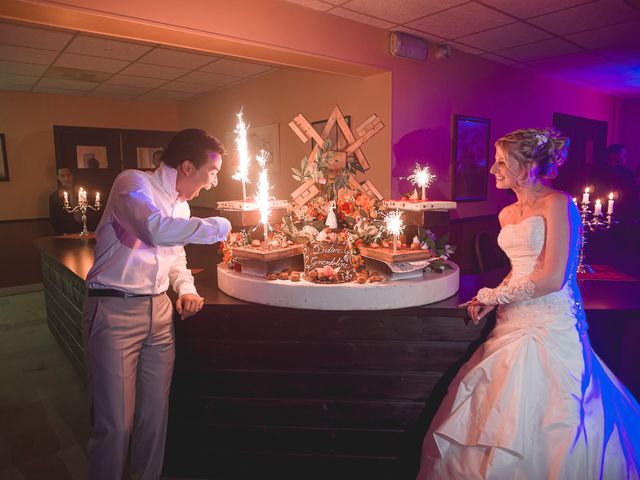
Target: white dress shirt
{"points": [[141, 237]]}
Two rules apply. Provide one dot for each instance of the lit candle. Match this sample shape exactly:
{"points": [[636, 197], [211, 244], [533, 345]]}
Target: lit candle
{"points": [[66, 199], [610, 204], [242, 147], [585, 195], [598, 209], [575, 201], [97, 199], [422, 177], [82, 195]]}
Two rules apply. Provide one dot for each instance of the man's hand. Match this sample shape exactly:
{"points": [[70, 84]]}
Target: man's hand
{"points": [[189, 304]]}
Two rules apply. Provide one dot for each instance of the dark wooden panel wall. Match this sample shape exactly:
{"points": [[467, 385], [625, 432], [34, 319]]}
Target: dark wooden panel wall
{"points": [[279, 393], [20, 258]]}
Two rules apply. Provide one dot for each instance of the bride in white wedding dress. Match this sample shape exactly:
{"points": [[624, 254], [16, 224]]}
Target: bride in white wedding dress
{"points": [[534, 402]]}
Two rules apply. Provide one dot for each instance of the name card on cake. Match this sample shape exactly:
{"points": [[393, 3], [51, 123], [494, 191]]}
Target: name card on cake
{"points": [[336, 255]]}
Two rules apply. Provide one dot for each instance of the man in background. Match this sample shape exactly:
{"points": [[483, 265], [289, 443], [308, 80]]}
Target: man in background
{"points": [[61, 220], [128, 318]]}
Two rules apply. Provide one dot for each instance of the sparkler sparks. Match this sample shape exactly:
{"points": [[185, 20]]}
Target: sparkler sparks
{"points": [[422, 177], [262, 196], [242, 148], [394, 225]]}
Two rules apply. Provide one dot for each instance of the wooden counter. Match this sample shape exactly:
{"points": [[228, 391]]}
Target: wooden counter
{"points": [[266, 392]]}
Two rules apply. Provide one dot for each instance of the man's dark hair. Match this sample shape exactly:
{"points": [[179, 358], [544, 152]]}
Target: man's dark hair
{"points": [[191, 144], [615, 148]]}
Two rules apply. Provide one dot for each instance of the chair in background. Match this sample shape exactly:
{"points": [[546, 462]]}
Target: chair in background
{"points": [[489, 256]]}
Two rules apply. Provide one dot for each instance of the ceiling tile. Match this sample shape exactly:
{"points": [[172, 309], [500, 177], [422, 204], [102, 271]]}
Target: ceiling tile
{"points": [[107, 48], [22, 68], [569, 61], [621, 34], [176, 58], [497, 58], [32, 36], [586, 17], [121, 90], [165, 95], [359, 17], [506, 36], [236, 68], [130, 80], [400, 11], [205, 78], [9, 86], [13, 79], [154, 71], [84, 62], [463, 20], [315, 4], [77, 74], [185, 87], [66, 84], [465, 48], [27, 54], [526, 9], [58, 91], [538, 50]]}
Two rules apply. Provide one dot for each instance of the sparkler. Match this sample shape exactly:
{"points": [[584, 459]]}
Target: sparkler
{"points": [[262, 197], [394, 225], [242, 147], [422, 177]]}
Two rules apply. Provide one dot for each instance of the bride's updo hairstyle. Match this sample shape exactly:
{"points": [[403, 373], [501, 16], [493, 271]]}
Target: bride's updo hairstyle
{"points": [[537, 151]]}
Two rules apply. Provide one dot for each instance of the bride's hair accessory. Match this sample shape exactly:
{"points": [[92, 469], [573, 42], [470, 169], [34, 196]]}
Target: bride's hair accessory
{"points": [[510, 293], [541, 139], [543, 147]]}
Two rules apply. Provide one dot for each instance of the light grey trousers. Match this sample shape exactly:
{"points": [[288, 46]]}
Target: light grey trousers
{"points": [[129, 350]]}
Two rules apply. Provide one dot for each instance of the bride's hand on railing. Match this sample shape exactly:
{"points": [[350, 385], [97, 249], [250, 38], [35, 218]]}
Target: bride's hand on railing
{"points": [[476, 309]]}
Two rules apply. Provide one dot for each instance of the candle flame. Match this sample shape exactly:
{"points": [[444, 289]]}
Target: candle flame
{"points": [[421, 176], [611, 196], [393, 223], [242, 148], [598, 202], [586, 190]]}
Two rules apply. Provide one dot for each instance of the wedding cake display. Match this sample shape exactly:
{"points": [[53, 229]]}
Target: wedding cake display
{"points": [[338, 245]]}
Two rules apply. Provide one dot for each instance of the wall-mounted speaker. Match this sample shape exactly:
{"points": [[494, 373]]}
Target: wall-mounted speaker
{"points": [[404, 45]]}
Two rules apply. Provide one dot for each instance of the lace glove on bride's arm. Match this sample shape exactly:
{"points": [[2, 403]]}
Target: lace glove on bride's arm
{"points": [[510, 293]]}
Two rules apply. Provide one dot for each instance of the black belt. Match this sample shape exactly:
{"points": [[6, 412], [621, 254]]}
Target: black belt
{"points": [[110, 292]]}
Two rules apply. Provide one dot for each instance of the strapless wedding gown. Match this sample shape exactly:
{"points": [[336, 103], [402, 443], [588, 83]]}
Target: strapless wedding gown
{"points": [[535, 402]]}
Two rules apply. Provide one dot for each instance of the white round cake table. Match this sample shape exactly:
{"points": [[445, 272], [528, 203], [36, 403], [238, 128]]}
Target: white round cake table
{"points": [[390, 294]]}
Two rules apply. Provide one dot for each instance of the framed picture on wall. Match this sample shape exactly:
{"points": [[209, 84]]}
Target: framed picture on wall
{"points": [[142, 149], [148, 158], [91, 156], [4, 163], [469, 158], [266, 138]]}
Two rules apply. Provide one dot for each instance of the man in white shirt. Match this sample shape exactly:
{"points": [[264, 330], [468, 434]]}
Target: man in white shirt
{"points": [[127, 317]]}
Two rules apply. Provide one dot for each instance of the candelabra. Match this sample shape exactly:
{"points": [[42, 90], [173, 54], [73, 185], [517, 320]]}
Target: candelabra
{"points": [[591, 225], [82, 207]]}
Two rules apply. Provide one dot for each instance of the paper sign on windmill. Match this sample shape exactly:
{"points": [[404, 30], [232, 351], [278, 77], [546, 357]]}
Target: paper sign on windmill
{"points": [[338, 155]]}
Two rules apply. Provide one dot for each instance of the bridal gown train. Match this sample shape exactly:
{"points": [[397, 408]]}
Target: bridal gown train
{"points": [[535, 402]]}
